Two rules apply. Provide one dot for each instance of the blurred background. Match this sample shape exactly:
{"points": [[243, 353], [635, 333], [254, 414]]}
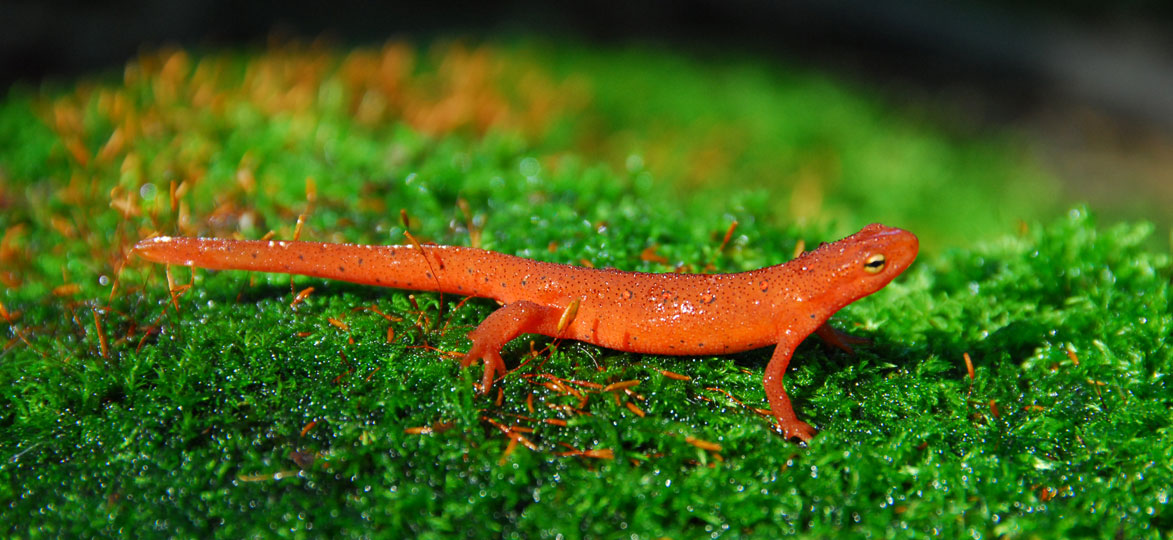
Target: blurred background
{"points": [[1087, 86]]}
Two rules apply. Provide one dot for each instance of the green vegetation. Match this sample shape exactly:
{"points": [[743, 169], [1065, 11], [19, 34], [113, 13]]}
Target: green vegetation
{"points": [[237, 407]]}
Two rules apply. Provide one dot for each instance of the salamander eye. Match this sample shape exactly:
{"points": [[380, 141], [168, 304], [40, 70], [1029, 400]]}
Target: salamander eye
{"points": [[874, 263]]}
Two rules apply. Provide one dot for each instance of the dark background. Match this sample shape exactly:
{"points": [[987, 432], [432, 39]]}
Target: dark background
{"points": [[1090, 83]]}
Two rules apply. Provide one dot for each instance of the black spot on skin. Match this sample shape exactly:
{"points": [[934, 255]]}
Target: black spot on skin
{"points": [[523, 283], [300, 257], [254, 254], [504, 285], [700, 344], [812, 315], [378, 280], [460, 287], [360, 261], [341, 268], [428, 275]]}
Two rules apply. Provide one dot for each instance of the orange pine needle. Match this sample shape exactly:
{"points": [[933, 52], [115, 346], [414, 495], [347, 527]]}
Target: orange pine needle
{"points": [[452, 313], [474, 229], [171, 286], [508, 450], [375, 309], [728, 236], [574, 452], [703, 444], [101, 335], [301, 296], [568, 315], [298, 226], [68, 289], [266, 477], [174, 196], [623, 385], [524, 441], [438, 427], [340, 376], [600, 454], [311, 190], [373, 372], [676, 376], [77, 150], [649, 255]]}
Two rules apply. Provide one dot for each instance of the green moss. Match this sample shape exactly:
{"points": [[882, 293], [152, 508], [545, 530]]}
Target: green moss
{"points": [[236, 414]]}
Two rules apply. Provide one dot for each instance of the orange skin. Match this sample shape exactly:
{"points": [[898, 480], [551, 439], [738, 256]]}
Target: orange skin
{"points": [[677, 314]]}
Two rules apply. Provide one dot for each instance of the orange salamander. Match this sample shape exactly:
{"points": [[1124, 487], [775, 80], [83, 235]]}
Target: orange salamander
{"points": [[674, 314]]}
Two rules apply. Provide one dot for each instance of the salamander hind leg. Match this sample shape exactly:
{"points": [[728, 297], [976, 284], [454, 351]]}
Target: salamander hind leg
{"points": [[840, 339], [500, 327]]}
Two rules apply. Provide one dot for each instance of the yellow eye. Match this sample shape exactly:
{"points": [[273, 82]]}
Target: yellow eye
{"points": [[874, 264]]}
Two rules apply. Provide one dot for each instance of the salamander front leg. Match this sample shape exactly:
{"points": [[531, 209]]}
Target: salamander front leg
{"points": [[502, 326], [776, 394]]}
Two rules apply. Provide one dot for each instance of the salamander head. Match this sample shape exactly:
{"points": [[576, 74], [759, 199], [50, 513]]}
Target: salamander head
{"points": [[860, 264]]}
